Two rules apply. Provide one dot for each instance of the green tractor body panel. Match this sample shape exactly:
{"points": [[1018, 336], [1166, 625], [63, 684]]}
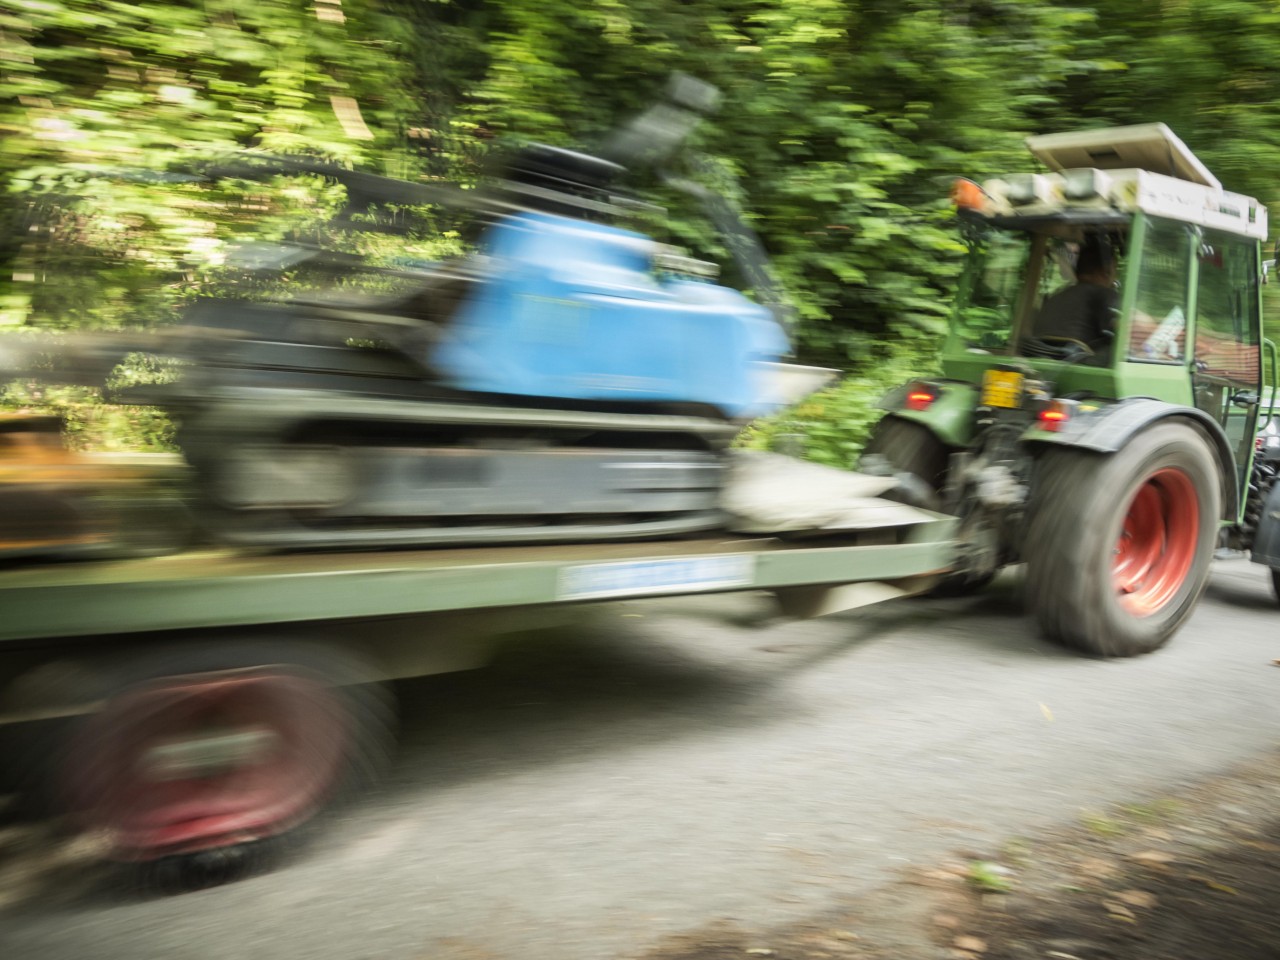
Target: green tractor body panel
{"points": [[1067, 377], [949, 417]]}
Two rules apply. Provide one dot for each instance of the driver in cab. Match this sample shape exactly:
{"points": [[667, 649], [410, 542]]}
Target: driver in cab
{"points": [[1085, 311]]}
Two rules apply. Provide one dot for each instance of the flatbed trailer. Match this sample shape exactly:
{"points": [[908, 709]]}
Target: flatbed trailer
{"points": [[225, 589], [192, 706]]}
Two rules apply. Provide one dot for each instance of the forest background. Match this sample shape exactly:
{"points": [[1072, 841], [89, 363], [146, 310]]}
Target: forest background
{"points": [[844, 122]]}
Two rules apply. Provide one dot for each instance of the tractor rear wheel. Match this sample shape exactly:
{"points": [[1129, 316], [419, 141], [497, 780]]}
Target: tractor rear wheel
{"points": [[1118, 546], [911, 448]]}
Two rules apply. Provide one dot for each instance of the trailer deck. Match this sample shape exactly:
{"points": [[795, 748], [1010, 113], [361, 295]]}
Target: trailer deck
{"points": [[217, 589]]}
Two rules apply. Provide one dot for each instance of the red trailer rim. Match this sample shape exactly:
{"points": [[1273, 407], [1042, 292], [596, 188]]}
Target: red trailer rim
{"points": [[1158, 540], [194, 763]]}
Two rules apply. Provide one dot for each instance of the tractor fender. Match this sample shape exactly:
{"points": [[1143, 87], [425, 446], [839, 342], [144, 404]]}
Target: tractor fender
{"points": [[949, 417], [1109, 427], [1266, 541]]}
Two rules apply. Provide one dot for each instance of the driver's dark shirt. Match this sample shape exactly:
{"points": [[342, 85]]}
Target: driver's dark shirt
{"points": [[1083, 311]]}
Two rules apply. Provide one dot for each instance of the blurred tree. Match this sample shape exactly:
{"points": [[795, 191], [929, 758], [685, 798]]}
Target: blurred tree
{"points": [[100, 100], [843, 120]]}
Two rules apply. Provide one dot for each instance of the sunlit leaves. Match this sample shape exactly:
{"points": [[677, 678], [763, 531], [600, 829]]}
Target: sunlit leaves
{"points": [[844, 121]]}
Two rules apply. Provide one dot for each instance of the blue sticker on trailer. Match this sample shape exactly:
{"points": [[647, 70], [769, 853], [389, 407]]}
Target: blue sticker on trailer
{"points": [[637, 578]]}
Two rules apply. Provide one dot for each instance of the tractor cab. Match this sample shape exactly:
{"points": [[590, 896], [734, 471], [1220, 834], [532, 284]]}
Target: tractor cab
{"points": [[1174, 313]]}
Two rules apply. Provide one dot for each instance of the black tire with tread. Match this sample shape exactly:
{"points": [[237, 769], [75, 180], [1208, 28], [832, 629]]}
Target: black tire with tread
{"points": [[1080, 502], [913, 448], [369, 714], [910, 448]]}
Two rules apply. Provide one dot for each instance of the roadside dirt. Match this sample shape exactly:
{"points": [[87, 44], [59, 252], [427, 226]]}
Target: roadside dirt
{"points": [[1192, 874]]}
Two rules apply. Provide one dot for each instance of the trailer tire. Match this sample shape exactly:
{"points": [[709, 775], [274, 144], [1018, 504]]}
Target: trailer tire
{"points": [[208, 760], [1275, 583], [1118, 546]]}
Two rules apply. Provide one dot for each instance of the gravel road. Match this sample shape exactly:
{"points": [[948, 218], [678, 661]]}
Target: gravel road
{"points": [[675, 764]]}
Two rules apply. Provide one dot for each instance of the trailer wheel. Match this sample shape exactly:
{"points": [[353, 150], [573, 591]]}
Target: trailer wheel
{"points": [[1275, 583], [202, 763], [1118, 547]]}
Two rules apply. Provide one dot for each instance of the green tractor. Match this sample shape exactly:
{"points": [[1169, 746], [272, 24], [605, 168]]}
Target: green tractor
{"points": [[1098, 427]]}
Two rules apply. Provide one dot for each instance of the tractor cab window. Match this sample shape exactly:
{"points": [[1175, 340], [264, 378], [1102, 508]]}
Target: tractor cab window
{"points": [[1227, 310], [1158, 333], [1072, 315], [986, 310], [1054, 270], [1226, 373], [1013, 273]]}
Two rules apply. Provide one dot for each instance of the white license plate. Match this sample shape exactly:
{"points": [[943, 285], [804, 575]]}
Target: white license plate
{"points": [[638, 578]]}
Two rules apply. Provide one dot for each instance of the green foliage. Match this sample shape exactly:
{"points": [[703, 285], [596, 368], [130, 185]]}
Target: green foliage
{"points": [[989, 877], [98, 99], [90, 423], [843, 120], [1103, 825], [831, 426]]}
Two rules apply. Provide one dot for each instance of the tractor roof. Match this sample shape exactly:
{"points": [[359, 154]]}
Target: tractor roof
{"points": [[1103, 177], [1148, 146]]}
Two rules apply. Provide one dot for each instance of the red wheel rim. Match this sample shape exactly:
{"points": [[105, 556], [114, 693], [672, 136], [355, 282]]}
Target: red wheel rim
{"points": [[194, 763], [1158, 540]]}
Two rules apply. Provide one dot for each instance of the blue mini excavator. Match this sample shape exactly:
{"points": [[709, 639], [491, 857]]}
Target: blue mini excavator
{"points": [[568, 380]]}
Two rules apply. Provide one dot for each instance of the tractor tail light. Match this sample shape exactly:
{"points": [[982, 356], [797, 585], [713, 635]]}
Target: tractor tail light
{"points": [[920, 396], [1054, 414]]}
